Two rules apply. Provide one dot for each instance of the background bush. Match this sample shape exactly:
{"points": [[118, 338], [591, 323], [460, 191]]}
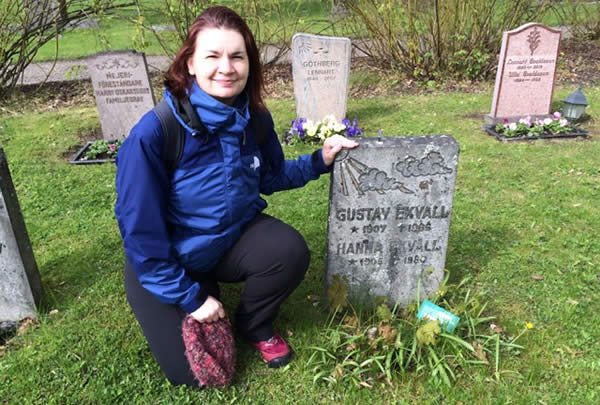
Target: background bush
{"points": [[426, 39]]}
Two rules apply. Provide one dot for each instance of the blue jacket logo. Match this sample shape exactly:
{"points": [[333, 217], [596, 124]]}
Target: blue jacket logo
{"points": [[256, 164]]}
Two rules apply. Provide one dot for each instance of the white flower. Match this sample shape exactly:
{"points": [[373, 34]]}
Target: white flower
{"points": [[512, 126], [547, 121], [563, 122], [310, 128]]}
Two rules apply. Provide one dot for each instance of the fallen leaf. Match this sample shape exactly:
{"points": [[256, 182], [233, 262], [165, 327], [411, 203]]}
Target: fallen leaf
{"points": [[54, 311], [496, 328], [480, 353], [290, 333], [537, 277], [573, 352], [25, 324], [572, 301], [364, 384]]}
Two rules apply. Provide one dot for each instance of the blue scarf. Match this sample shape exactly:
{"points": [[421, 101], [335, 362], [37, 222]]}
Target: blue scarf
{"points": [[216, 116]]}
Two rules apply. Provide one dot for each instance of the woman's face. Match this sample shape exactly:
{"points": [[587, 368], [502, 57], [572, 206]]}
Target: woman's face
{"points": [[220, 63]]}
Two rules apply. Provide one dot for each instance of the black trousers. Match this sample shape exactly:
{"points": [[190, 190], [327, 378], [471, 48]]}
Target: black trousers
{"points": [[271, 258]]}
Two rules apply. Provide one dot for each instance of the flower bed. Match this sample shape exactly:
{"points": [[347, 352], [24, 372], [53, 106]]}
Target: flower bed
{"points": [[100, 151], [527, 129], [306, 131]]}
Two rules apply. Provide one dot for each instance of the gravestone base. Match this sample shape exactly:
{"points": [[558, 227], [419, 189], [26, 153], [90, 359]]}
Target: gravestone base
{"points": [[491, 120], [389, 217]]}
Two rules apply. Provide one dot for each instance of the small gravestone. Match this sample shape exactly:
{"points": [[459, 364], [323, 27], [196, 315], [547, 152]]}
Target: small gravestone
{"points": [[321, 70], [20, 283], [122, 90], [389, 216], [525, 76]]}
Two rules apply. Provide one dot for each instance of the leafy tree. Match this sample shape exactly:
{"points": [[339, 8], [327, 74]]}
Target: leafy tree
{"points": [[26, 25]]}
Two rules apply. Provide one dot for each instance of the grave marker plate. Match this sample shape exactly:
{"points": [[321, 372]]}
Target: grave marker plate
{"points": [[122, 90], [526, 71], [321, 70], [389, 216], [20, 283]]}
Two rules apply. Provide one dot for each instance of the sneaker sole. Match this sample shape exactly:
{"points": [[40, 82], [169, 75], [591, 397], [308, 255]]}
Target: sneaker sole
{"points": [[280, 361]]}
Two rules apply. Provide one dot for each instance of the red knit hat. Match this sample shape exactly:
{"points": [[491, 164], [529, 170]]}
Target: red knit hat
{"points": [[210, 350]]}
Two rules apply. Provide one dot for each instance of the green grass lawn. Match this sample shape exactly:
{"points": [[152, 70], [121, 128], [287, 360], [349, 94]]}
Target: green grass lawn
{"points": [[520, 210]]}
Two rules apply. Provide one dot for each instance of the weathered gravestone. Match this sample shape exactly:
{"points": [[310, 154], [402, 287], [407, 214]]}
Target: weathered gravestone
{"points": [[525, 76], [389, 216], [20, 283], [122, 89], [321, 70]]}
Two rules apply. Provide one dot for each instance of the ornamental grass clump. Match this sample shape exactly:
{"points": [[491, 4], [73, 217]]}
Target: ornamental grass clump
{"points": [[307, 131], [526, 127], [373, 349]]}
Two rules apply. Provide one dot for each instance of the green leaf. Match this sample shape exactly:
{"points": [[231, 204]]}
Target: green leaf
{"points": [[427, 333], [338, 292]]}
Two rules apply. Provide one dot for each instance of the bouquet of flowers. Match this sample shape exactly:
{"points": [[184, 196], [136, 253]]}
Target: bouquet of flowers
{"points": [[304, 130], [528, 127]]}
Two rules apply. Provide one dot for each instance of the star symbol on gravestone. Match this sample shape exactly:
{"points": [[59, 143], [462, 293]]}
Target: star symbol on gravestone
{"points": [[354, 229], [352, 262]]}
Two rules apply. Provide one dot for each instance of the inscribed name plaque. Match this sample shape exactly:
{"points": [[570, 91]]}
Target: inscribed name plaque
{"points": [[525, 76], [122, 90], [321, 70], [20, 283], [389, 215]]}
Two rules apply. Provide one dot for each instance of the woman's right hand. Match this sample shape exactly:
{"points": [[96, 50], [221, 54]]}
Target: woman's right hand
{"points": [[212, 310]]}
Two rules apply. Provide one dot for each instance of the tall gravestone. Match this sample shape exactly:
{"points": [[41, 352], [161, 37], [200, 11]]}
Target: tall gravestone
{"points": [[122, 90], [20, 283], [321, 70], [525, 76], [389, 217]]}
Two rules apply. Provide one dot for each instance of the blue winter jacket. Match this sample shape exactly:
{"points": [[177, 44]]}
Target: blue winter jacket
{"points": [[174, 223]]}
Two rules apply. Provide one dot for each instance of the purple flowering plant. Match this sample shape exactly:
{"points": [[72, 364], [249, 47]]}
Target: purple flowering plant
{"points": [[529, 127], [304, 130]]}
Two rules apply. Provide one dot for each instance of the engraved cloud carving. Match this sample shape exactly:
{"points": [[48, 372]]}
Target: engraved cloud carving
{"points": [[363, 178], [430, 165]]}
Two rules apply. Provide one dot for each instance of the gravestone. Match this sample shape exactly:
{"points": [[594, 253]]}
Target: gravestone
{"points": [[321, 70], [525, 76], [122, 90], [389, 216], [20, 283]]}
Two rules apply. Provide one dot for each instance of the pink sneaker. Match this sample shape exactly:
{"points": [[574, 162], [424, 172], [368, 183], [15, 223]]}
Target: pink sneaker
{"points": [[275, 351]]}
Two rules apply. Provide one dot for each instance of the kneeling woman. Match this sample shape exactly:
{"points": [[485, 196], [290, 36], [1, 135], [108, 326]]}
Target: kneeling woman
{"points": [[186, 229]]}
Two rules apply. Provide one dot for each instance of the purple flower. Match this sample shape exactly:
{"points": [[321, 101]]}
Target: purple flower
{"points": [[352, 130], [298, 127]]}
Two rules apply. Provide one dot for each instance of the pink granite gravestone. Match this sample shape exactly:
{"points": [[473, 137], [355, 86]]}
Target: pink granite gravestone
{"points": [[525, 76]]}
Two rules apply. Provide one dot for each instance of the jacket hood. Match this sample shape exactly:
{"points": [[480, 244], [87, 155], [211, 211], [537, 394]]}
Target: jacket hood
{"points": [[216, 116]]}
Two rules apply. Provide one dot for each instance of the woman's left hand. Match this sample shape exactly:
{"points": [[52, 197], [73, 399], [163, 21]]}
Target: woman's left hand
{"points": [[333, 145]]}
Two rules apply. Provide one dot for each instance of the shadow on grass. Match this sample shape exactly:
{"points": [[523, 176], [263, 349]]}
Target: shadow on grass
{"points": [[469, 250]]}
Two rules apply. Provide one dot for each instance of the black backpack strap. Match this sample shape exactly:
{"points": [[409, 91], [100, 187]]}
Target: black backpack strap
{"points": [[174, 134], [259, 127]]}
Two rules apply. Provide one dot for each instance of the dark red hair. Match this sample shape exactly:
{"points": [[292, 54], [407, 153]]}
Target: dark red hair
{"points": [[178, 79]]}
